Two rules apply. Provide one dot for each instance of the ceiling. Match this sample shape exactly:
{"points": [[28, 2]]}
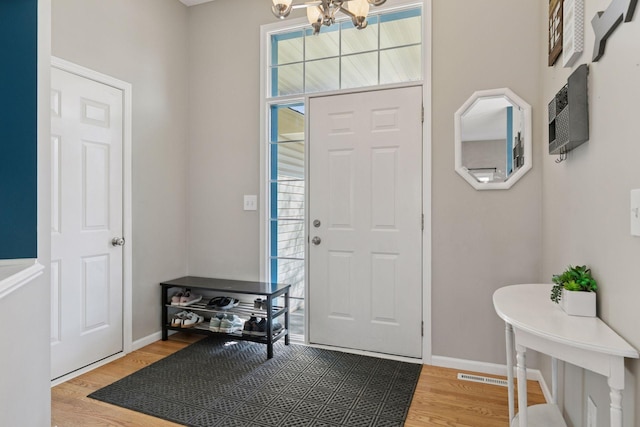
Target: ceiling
{"points": [[194, 2]]}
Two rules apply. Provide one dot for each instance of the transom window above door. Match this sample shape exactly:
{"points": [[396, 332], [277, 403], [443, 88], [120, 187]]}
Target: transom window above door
{"points": [[388, 51]]}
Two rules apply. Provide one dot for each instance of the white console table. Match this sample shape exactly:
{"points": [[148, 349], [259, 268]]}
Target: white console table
{"points": [[539, 324]]}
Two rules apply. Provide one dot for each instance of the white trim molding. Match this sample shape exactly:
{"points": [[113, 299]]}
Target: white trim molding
{"points": [[13, 277], [427, 36]]}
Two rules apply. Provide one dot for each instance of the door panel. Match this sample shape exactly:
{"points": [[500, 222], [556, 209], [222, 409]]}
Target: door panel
{"points": [[365, 187], [87, 292]]}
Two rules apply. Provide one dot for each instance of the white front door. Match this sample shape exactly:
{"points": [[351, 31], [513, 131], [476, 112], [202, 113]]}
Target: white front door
{"points": [[365, 214], [86, 269]]}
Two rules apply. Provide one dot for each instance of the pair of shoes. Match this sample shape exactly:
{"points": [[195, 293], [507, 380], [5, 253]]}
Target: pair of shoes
{"points": [[258, 328], [251, 326], [185, 298], [214, 323], [186, 319], [176, 320], [222, 303], [231, 323], [260, 304], [192, 319], [175, 299]]}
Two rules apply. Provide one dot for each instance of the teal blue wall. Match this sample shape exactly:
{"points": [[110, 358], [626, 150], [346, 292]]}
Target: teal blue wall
{"points": [[18, 128]]}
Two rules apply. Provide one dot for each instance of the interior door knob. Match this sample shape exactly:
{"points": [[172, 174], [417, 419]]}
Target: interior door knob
{"points": [[316, 240], [117, 241]]}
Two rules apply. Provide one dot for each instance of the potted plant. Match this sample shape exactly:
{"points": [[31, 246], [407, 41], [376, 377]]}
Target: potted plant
{"points": [[575, 291]]}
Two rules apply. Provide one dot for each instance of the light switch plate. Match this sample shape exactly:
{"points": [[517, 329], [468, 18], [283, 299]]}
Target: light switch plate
{"points": [[250, 202], [635, 212]]}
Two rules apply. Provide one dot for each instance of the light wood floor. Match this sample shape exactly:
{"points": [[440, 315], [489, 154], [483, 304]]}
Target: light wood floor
{"points": [[440, 399]]}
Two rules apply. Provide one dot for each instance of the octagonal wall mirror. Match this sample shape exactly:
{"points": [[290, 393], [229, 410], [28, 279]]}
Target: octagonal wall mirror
{"points": [[493, 139]]}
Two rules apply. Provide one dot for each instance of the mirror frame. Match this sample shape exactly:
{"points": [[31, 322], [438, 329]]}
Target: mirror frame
{"points": [[526, 134]]}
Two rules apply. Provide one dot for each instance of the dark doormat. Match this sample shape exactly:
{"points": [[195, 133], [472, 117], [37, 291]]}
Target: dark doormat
{"points": [[218, 383]]}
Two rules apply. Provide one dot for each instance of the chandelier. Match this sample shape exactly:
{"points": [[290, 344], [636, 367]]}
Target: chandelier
{"points": [[323, 12]]}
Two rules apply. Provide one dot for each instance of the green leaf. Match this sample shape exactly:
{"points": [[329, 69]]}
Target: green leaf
{"points": [[576, 278]]}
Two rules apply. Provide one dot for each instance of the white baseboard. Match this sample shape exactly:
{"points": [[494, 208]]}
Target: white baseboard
{"points": [[149, 339], [489, 368], [543, 385]]}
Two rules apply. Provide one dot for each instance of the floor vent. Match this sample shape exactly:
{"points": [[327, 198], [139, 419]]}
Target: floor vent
{"points": [[484, 380]]}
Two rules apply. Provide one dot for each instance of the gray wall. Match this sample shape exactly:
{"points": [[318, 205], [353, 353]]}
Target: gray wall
{"points": [[224, 123], [586, 199], [143, 42], [479, 241], [482, 240], [225, 129]]}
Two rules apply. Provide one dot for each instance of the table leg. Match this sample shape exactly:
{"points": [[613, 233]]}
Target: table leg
{"points": [[521, 359], [554, 380], [616, 385], [616, 407], [508, 331]]}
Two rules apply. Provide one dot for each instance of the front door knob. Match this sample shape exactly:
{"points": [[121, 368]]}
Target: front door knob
{"points": [[316, 240]]}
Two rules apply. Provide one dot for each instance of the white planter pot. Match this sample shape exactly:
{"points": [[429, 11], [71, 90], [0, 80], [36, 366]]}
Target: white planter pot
{"points": [[576, 303]]}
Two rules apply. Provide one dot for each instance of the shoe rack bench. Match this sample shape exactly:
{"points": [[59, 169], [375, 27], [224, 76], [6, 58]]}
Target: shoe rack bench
{"points": [[204, 285]]}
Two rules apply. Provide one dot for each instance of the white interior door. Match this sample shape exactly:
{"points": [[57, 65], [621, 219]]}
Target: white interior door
{"points": [[87, 186], [365, 191]]}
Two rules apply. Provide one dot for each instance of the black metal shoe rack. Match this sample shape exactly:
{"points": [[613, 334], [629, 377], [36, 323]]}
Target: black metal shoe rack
{"points": [[205, 286]]}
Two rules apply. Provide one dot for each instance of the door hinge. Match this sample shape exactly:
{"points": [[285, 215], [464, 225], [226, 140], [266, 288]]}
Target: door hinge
{"points": [[422, 113], [422, 330], [422, 224]]}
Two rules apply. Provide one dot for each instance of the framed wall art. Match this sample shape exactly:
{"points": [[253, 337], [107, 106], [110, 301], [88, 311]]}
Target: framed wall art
{"points": [[572, 31], [555, 30]]}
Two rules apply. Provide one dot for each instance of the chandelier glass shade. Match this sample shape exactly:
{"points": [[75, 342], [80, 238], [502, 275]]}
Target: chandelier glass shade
{"points": [[323, 12]]}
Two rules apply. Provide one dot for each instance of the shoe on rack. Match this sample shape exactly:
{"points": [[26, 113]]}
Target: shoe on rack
{"points": [[260, 304], [214, 302], [178, 318], [276, 328], [249, 325], [192, 319], [222, 303], [175, 299], [231, 323], [188, 298], [214, 323], [260, 328]]}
